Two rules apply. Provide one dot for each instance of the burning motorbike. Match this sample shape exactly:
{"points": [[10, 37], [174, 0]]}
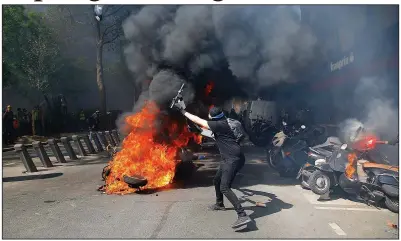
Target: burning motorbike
{"points": [[346, 168]]}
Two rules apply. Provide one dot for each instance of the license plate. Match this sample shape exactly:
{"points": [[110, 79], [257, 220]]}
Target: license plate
{"points": [[300, 172]]}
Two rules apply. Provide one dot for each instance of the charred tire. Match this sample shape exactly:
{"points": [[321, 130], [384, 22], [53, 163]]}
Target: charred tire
{"points": [[135, 181], [319, 182], [392, 204], [106, 172]]}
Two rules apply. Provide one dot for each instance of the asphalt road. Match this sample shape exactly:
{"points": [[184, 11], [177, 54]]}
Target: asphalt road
{"points": [[66, 204]]}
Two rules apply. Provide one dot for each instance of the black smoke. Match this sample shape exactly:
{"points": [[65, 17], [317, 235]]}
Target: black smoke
{"points": [[243, 49]]}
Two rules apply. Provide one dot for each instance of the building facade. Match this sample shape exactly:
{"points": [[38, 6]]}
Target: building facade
{"points": [[359, 44]]}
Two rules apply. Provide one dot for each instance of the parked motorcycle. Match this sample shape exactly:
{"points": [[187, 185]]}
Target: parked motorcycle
{"points": [[290, 149], [369, 181]]}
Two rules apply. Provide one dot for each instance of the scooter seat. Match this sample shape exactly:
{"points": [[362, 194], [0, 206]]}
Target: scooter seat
{"points": [[320, 152], [368, 165], [390, 190]]}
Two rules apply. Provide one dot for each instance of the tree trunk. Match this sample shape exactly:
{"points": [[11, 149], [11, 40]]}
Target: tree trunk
{"points": [[99, 69]]}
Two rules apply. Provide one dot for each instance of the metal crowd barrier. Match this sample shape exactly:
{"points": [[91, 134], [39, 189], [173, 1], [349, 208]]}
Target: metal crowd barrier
{"points": [[101, 140]]}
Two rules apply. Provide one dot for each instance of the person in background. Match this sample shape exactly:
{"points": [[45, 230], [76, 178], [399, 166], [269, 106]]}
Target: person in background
{"points": [[29, 121], [8, 117], [63, 103], [24, 123], [20, 120], [20, 114], [233, 114], [16, 126], [35, 121], [95, 120], [82, 119]]}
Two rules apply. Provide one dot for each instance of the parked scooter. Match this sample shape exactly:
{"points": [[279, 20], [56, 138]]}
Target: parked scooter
{"points": [[290, 150], [319, 153], [287, 148], [371, 182]]}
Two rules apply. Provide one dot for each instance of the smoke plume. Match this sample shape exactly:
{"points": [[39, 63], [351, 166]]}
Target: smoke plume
{"points": [[170, 45], [379, 112]]}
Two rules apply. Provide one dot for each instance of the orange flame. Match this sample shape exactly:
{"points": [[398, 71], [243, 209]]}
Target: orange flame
{"points": [[142, 155], [350, 168], [198, 139], [209, 88]]}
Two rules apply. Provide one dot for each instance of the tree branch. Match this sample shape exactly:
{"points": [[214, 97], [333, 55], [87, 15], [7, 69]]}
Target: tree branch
{"points": [[112, 40], [109, 27], [106, 9], [114, 12], [72, 17]]}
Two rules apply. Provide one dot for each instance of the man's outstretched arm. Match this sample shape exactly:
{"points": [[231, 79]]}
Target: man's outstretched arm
{"points": [[196, 119]]}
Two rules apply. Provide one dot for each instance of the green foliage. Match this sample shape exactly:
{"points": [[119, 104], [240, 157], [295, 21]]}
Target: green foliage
{"points": [[14, 28], [30, 54]]}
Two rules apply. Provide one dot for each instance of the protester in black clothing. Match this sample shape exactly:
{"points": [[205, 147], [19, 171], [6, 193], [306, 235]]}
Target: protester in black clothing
{"points": [[232, 160], [20, 119], [233, 114], [8, 118], [95, 121]]}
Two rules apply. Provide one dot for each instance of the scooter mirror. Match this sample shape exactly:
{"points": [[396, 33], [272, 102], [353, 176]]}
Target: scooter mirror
{"points": [[343, 146], [303, 127]]}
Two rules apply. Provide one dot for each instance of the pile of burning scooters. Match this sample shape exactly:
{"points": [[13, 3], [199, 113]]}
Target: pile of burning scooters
{"points": [[332, 166]]}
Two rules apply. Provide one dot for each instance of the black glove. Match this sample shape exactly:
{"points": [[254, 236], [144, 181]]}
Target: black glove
{"points": [[180, 105]]}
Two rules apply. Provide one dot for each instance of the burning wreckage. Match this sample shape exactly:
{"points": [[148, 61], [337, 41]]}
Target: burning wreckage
{"points": [[154, 153], [148, 158]]}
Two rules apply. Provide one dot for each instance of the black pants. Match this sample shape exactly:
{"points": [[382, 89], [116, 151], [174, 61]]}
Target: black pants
{"points": [[9, 134], [223, 180]]}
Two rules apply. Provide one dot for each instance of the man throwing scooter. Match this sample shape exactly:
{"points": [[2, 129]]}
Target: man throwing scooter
{"points": [[232, 159]]}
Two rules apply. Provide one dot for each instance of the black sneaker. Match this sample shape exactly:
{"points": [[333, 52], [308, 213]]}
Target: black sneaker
{"points": [[241, 221], [217, 207]]}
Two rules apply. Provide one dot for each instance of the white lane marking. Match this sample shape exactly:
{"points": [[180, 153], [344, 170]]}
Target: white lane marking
{"points": [[313, 199], [337, 229], [351, 209], [9, 164]]}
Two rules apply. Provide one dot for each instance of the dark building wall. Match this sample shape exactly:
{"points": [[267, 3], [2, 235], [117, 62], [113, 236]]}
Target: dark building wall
{"points": [[357, 42]]}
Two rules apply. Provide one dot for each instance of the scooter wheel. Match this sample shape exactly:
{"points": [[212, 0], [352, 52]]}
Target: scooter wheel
{"points": [[319, 182], [392, 204], [304, 182], [274, 158]]}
